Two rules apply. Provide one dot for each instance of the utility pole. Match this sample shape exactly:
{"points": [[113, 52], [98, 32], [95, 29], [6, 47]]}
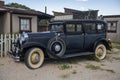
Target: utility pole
{"points": [[45, 10]]}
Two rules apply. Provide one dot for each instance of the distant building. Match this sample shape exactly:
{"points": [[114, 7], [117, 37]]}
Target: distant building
{"points": [[113, 29], [70, 14]]}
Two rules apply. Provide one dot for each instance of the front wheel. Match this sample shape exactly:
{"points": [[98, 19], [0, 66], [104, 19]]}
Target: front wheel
{"points": [[34, 58], [100, 51]]}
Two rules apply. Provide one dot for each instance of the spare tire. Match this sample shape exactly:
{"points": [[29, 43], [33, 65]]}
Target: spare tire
{"points": [[56, 48]]}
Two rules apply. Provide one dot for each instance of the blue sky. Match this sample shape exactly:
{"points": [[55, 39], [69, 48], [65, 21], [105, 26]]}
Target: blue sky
{"points": [[105, 7]]}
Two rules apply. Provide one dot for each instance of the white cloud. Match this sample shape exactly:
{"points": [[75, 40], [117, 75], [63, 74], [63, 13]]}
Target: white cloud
{"points": [[82, 0], [82, 8]]}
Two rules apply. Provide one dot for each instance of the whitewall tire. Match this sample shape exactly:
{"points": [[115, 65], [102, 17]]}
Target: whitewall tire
{"points": [[100, 51], [34, 58]]}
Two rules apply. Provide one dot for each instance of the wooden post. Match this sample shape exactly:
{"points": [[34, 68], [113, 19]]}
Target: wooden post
{"points": [[5, 45], [1, 45]]}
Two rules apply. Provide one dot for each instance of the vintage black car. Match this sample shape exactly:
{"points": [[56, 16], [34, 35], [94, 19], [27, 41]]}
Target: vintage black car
{"points": [[64, 39]]}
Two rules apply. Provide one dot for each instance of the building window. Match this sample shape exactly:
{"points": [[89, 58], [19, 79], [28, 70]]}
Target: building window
{"points": [[25, 24], [112, 26]]}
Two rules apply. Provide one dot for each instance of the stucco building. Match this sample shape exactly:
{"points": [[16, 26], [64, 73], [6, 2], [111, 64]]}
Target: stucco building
{"points": [[15, 20]]}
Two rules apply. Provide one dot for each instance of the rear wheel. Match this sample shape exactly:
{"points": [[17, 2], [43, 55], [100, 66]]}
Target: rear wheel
{"points": [[34, 58], [100, 51]]}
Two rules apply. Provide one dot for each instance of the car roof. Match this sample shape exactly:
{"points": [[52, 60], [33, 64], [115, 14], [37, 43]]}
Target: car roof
{"points": [[76, 21]]}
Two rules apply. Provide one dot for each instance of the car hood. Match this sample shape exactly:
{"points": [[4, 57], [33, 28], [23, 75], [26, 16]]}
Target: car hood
{"points": [[42, 34]]}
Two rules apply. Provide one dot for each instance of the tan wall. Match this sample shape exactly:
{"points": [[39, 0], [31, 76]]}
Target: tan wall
{"points": [[5, 23], [15, 21], [115, 37], [34, 24]]}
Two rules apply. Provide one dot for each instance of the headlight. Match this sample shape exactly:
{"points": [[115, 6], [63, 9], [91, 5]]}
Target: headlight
{"points": [[110, 42], [23, 37]]}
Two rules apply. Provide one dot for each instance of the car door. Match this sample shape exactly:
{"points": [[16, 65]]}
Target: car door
{"points": [[90, 34], [74, 37]]}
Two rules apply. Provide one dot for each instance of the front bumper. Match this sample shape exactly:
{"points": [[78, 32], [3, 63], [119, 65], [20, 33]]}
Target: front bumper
{"points": [[15, 57]]}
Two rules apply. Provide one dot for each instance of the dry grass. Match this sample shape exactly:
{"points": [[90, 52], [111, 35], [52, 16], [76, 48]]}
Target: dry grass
{"points": [[74, 72], [116, 45], [64, 67], [93, 67], [116, 58], [65, 76]]}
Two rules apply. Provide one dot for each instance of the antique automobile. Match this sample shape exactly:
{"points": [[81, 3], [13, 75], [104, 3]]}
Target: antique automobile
{"points": [[64, 39]]}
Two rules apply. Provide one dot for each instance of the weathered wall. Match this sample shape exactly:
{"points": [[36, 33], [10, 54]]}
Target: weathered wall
{"points": [[115, 37], [63, 17]]}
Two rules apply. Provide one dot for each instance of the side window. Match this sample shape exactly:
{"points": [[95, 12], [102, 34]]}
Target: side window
{"points": [[57, 27], [90, 27], [78, 28], [100, 27], [70, 27]]}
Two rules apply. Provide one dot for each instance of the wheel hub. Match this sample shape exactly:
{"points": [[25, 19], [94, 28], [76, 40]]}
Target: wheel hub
{"points": [[100, 52], [57, 48], [35, 58]]}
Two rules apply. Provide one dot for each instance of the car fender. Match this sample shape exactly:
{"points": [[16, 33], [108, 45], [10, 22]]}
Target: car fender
{"points": [[32, 44], [104, 41]]}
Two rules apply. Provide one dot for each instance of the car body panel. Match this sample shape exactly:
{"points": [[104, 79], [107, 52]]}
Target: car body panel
{"points": [[77, 43]]}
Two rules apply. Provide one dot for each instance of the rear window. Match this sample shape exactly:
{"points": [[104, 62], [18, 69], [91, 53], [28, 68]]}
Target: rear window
{"points": [[94, 27], [100, 27]]}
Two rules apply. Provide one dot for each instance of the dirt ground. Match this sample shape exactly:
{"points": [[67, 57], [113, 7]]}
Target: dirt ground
{"points": [[78, 68]]}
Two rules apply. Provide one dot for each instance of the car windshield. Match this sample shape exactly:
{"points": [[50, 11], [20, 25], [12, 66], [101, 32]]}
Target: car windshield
{"points": [[57, 27]]}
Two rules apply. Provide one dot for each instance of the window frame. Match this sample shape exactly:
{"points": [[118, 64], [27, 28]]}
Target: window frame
{"points": [[101, 31], [25, 18], [75, 29], [72, 26], [94, 32], [112, 31], [61, 30]]}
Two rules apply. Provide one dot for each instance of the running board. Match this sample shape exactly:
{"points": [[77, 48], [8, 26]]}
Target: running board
{"points": [[77, 54]]}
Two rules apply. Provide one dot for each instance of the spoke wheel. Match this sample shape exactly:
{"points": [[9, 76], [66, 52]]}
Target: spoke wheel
{"points": [[100, 51], [34, 58]]}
